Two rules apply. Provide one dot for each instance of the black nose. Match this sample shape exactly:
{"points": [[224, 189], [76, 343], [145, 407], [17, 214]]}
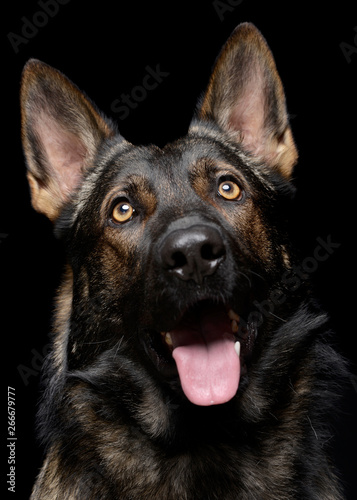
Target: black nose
{"points": [[192, 253]]}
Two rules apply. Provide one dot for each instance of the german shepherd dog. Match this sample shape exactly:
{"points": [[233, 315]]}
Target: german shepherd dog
{"points": [[186, 362]]}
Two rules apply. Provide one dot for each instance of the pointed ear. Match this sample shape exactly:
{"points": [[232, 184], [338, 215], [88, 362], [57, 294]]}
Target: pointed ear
{"points": [[61, 133], [245, 97]]}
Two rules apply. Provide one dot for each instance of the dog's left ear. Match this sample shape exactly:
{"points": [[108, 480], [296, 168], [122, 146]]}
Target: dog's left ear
{"points": [[61, 133], [245, 97]]}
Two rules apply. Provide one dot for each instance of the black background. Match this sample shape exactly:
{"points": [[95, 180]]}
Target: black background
{"points": [[104, 47]]}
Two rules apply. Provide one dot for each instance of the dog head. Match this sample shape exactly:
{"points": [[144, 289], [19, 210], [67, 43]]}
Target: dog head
{"points": [[170, 250]]}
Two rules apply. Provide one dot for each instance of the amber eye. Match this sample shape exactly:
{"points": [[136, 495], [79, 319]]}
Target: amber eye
{"points": [[229, 190], [122, 212]]}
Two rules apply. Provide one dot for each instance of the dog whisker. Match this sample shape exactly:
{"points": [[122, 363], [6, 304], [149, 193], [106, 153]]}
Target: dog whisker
{"points": [[256, 274], [98, 342], [243, 274], [119, 343], [278, 317]]}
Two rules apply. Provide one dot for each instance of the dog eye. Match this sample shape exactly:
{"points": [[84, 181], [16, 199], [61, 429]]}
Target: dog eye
{"points": [[122, 212], [229, 190]]}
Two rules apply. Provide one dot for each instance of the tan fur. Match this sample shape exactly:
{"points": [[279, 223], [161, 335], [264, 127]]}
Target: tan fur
{"points": [[56, 134]]}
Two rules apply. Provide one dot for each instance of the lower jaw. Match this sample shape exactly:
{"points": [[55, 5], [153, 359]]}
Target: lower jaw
{"points": [[159, 355], [158, 349]]}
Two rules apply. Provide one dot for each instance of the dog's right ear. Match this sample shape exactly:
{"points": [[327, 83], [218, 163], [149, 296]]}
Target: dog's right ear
{"points": [[61, 133]]}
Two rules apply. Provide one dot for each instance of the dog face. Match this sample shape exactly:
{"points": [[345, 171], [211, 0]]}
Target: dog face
{"points": [[169, 249]]}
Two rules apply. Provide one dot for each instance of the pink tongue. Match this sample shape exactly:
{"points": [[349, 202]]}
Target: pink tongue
{"points": [[206, 360]]}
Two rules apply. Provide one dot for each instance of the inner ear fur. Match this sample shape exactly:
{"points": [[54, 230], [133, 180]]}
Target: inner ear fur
{"points": [[245, 97], [61, 132]]}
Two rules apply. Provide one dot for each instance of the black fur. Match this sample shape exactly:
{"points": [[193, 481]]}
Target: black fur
{"points": [[114, 418]]}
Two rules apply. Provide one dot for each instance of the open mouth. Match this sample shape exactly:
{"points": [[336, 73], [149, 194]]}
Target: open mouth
{"points": [[209, 349]]}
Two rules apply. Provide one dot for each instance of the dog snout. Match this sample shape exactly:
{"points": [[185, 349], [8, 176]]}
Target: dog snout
{"points": [[192, 253]]}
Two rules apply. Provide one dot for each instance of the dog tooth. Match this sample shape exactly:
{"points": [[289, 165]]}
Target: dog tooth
{"points": [[233, 315], [234, 326], [237, 348], [168, 339]]}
